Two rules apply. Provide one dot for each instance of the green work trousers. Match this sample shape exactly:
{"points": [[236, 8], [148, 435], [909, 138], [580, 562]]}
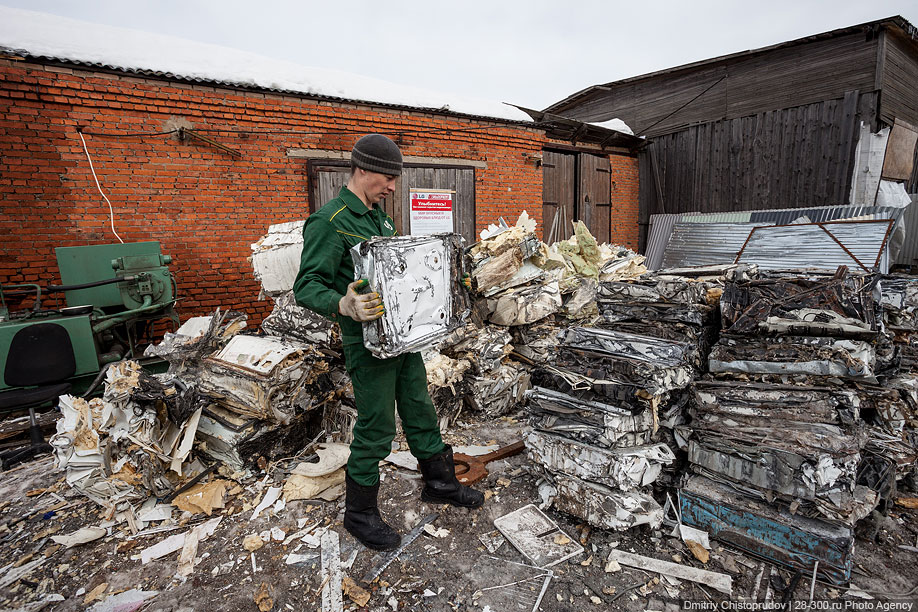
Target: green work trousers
{"points": [[381, 386]]}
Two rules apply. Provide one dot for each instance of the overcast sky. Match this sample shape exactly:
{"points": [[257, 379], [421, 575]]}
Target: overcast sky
{"points": [[527, 52]]}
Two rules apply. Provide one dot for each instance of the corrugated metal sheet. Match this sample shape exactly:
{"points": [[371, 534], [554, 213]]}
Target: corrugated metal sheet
{"points": [[703, 244], [721, 243], [809, 246]]}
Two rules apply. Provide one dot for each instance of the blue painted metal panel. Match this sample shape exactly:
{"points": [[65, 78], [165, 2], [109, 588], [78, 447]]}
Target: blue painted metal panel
{"points": [[776, 536]]}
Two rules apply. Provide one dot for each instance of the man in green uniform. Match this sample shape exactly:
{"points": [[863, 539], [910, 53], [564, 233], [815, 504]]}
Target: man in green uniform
{"points": [[326, 285]]}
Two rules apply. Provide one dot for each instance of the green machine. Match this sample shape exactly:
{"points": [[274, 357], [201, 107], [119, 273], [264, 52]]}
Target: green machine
{"points": [[117, 296]]}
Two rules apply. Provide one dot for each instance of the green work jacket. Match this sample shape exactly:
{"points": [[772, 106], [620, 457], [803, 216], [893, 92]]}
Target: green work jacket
{"points": [[326, 267]]}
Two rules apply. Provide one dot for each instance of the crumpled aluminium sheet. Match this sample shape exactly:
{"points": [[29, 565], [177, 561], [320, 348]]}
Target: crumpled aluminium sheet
{"points": [[496, 393], [292, 321], [276, 257], [623, 468], [810, 356], [603, 507], [419, 279], [802, 404], [899, 298], [653, 289], [526, 304], [595, 423], [801, 305], [656, 365], [119, 449], [263, 377]]}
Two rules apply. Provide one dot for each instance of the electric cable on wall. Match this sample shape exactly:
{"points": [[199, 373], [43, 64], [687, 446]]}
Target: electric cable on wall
{"points": [[99, 187]]}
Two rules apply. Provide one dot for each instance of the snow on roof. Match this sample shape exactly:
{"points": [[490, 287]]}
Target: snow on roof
{"points": [[615, 124], [44, 35]]}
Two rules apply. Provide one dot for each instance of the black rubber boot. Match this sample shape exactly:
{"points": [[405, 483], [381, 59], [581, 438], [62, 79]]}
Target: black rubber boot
{"points": [[441, 485], [362, 520]]}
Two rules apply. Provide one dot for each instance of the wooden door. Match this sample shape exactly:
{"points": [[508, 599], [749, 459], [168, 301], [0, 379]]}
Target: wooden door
{"points": [[558, 195], [595, 188], [327, 181], [461, 181]]}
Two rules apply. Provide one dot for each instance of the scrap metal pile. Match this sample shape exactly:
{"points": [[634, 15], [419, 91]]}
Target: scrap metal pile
{"points": [[227, 397], [603, 396], [779, 457]]}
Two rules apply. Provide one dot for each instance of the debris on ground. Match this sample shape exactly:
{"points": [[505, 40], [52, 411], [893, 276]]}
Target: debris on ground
{"points": [[698, 434]]}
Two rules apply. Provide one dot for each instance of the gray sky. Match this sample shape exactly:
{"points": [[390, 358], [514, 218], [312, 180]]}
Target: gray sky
{"points": [[527, 52]]}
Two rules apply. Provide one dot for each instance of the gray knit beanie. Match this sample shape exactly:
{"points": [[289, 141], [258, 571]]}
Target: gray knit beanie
{"points": [[376, 153]]}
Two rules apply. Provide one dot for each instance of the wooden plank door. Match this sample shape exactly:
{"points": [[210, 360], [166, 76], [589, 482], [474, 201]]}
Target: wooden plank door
{"points": [[558, 194], [461, 181], [595, 188], [328, 181]]}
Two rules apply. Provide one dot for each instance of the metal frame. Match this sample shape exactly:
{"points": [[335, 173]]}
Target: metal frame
{"points": [[822, 226]]}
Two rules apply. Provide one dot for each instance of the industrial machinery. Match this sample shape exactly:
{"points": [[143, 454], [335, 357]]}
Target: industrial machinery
{"points": [[116, 297]]}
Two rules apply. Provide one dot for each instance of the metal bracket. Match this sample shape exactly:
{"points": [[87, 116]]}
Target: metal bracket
{"points": [[183, 132]]}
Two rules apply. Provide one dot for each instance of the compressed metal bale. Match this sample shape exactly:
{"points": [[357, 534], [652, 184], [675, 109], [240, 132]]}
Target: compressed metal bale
{"points": [[804, 404], [264, 377], [689, 314], [810, 356], [774, 534], [801, 305], [603, 507], [594, 423], [420, 279], [899, 298], [621, 468], [653, 289], [656, 365]]}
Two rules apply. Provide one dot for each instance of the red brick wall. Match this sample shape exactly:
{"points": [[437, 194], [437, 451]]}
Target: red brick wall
{"points": [[205, 206], [625, 229]]}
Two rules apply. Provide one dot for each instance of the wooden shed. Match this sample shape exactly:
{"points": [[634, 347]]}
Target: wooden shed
{"points": [[775, 127]]}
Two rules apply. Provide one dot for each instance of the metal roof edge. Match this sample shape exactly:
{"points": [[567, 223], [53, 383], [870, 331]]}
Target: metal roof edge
{"points": [[896, 20], [543, 119], [168, 76]]}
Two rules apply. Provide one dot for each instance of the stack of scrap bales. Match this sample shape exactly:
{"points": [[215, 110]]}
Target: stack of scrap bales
{"points": [[673, 309], [473, 370], [895, 431], [594, 415], [777, 432]]}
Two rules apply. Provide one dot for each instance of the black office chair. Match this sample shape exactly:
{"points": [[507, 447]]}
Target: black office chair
{"points": [[40, 357]]}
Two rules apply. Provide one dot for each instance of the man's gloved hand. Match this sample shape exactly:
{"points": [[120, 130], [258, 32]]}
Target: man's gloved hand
{"points": [[467, 281], [361, 306]]}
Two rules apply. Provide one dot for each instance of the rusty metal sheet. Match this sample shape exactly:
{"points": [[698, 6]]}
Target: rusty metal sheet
{"points": [[801, 305], [768, 532]]}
